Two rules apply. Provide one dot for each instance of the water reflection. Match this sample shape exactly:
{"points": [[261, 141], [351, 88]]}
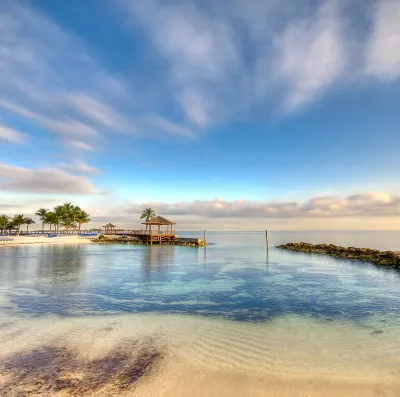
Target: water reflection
{"points": [[156, 262], [67, 264]]}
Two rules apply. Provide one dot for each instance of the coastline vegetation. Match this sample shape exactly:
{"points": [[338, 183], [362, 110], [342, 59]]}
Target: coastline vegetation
{"points": [[67, 215]]}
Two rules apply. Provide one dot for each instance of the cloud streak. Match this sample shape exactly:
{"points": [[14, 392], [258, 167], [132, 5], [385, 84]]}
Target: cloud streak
{"points": [[11, 135], [226, 57], [43, 180]]}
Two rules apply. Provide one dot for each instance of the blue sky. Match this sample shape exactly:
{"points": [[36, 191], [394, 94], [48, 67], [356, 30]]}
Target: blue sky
{"points": [[226, 114]]}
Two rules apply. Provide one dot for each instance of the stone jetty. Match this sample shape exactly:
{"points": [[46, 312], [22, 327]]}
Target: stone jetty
{"points": [[382, 258]]}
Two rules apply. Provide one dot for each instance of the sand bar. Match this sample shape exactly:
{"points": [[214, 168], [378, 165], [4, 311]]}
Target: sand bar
{"points": [[43, 240]]}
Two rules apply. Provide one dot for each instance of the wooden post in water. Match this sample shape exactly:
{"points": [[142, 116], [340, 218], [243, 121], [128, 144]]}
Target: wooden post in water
{"points": [[266, 240], [204, 241]]}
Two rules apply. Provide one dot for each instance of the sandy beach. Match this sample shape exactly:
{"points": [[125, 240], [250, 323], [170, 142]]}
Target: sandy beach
{"points": [[43, 240], [179, 356]]}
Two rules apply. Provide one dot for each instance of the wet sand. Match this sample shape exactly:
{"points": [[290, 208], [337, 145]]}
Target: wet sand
{"points": [[181, 356], [43, 240]]}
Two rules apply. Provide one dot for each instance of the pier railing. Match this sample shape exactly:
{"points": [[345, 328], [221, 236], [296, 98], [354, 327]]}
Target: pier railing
{"points": [[139, 232], [119, 232]]}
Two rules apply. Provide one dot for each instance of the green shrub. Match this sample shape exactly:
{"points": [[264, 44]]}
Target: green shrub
{"points": [[101, 237]]}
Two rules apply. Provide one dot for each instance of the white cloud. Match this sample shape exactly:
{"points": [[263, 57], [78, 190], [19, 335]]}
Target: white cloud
{"points": [[365, 204], [51, 77], [80, 145], [172, 128], [43, 180], [11, 135], [383, 49], [310, 55], [201, 52], [79, 167], [196, 107], [227, 57]]}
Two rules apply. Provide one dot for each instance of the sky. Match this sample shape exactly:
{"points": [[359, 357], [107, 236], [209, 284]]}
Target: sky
{"points": [[220, 115]]}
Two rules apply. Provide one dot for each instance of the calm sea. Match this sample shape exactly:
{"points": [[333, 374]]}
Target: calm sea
{"points": [[228, 309]]}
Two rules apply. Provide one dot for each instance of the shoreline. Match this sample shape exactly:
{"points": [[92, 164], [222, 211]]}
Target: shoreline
{"points": [[19, 241], [138, 354], [366, 255]]}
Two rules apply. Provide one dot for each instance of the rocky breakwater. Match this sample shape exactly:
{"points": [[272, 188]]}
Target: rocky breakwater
{"points": [[382, 258]]}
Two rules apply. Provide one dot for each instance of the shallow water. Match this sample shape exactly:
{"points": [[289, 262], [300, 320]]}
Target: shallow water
{"points": [[287, 324]]}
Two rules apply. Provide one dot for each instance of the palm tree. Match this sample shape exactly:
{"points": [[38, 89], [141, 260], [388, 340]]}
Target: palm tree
{"points": [[10, 226], [28, 221], [68, 223], [4, 219], [149, 214], [41, 213], [82, 218], [50, 219], [69, 210], [75, 214], [59, 213], [17, 221]]}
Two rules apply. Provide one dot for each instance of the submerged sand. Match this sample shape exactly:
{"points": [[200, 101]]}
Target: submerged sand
{"points": [[181, 356], [43, 240]]}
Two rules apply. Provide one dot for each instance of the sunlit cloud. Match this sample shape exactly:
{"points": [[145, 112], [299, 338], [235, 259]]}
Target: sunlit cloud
{"points": [[365, 204]]}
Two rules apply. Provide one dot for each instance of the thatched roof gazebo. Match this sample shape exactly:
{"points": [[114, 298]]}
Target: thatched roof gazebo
{"points": [[109, 228], [160, 221]]}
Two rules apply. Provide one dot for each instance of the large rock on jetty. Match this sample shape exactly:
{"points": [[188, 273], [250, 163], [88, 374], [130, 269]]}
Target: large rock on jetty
{"points": [[384, 258]]}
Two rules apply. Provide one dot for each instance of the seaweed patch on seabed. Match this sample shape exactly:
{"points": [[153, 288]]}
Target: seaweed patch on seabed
{"points": [[52, 369]]}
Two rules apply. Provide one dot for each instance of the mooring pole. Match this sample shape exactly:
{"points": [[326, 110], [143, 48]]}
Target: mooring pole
{"points": [[266, 240], [204, 239]]}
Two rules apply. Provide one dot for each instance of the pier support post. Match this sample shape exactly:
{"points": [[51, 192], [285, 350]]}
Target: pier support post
{"points": [[205, 241], [266, 240]]}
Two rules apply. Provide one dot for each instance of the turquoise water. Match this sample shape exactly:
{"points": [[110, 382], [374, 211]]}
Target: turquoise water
{"points": [[232, 278], [226, 320]]}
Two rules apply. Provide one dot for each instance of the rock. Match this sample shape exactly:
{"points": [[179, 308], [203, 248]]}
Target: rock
{"points": [[386, 258]]}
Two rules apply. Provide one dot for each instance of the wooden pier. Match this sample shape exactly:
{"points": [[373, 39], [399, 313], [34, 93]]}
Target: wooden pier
{"points": [[150, 235]]}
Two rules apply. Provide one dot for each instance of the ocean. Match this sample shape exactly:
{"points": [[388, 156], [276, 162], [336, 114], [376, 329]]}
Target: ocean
{"points": [[225, 320]]}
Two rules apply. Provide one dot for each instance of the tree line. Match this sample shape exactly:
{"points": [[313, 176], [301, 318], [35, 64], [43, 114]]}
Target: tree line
{"points": [[68, 216]]}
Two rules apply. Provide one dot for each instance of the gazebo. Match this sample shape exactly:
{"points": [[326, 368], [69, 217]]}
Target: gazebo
{"points": [[160, 221], [109, 228]]}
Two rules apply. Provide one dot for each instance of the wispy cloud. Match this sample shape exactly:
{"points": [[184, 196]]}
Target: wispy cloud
{"points": [[11, 135], [224, 57], [170, 127], [43, 180], [79, 167], [310, 54], [383, 49], [80, 145]]}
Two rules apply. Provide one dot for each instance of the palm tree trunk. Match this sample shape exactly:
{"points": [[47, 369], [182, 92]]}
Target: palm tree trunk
{"points": [[79, 229], [43, 226]]}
